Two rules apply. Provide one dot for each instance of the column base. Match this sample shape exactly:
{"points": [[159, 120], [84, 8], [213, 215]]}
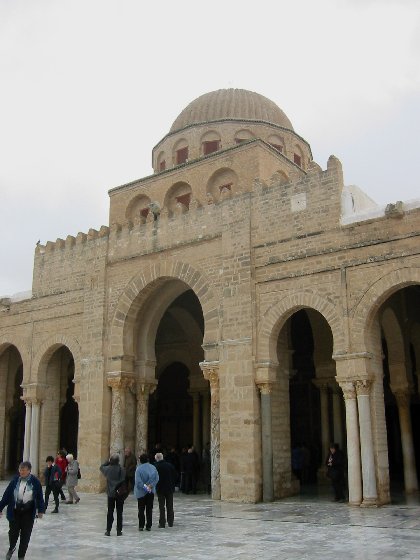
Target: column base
{"points": [[369, 502]]}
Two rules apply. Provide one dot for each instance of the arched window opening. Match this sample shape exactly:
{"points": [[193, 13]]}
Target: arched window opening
{"points": [[210, 146]]}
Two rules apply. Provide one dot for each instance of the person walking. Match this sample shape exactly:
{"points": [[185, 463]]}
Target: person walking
{"points": [[52, 477], [335, 471], [72, 479], [146, 479], [62, 462], [114, 474], [165, 490], [24, 500], [130, 464]]}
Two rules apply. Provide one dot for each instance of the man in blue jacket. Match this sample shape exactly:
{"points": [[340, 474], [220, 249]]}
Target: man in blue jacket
{"points": [[23, 498], [146, 479]]}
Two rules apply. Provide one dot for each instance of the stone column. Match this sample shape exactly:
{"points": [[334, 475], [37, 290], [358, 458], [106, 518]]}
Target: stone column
{"points": [[143, 391], [211, 373], [34, 442], [118, 385], [337, 418], [325, 426], [196, 422], [410, 473], [27, 437], [370, 494], [206, 418], [353, 444], [267, 441]]}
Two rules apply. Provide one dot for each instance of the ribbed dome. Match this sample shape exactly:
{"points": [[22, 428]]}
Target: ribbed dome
{"points": [[235, 104]]}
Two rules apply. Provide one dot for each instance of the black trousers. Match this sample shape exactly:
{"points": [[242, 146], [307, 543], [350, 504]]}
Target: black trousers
{"points": [[55, 489], [145, 503], [190, 484], [168, 500], [114, 503], [21, 525]]}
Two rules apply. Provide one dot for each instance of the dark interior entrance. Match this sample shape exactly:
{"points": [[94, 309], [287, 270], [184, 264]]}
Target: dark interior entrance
{"points": [[170, 409], [16, 414]]}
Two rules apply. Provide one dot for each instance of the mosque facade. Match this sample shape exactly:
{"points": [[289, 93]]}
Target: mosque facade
{"points": [[241, 295]]}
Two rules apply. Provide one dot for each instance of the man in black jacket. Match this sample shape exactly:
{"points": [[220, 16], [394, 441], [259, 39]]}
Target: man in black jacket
{"points": [[52, 477], [165, 490]]}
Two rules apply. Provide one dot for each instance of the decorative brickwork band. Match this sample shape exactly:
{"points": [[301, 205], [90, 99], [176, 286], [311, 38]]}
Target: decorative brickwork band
{"points": [[211, 373]]}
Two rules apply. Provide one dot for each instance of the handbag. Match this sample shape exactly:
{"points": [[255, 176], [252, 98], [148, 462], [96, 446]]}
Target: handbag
{"points": [[121, 489], [79, 474]]}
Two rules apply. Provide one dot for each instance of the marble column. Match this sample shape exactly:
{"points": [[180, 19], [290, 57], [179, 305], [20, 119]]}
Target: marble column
{"points": [[353, 444], [34, 442], [118, 385], [370, 494], [337, 418], [143, 391], [196, 422], [267, 441], [27, 436], [410, 473], [211, 373]]}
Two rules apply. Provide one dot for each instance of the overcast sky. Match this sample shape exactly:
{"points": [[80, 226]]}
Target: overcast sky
{"points": [[88, 87]]}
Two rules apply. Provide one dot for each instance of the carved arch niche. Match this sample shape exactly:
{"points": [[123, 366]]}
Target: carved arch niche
{"points": [[223, 182], [178, 198], [138, 209]]}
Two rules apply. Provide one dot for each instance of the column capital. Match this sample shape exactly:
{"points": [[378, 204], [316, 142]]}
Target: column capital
{"points": [[120, 364], [349, 389], [402, 396], [265, 387], [120, 381], [211, 372], [363, 387], [322, 384], [145, 389], [34, 392]]}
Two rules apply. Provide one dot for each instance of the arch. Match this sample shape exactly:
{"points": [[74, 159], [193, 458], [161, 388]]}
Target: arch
{"points": [[47, 349], [243, 135], [276, 316], [137, 293], [366, 309], [210, 142], [222, 179], [19, 343], [298, 156], [160, 164], [180, 151], [178, 193], [138, 207], [277, 142]]}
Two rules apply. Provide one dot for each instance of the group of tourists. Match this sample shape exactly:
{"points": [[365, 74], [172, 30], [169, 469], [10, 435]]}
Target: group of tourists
{"points": [[25, 502], [159, 477]]}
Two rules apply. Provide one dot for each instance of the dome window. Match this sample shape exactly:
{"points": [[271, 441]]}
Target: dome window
{"points": [[182, 155], [278, 147], [225, 187], [211, 146], [297, 159], [162, 165]]}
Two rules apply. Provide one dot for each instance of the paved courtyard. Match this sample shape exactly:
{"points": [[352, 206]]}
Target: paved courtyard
{"points": [[297, 528]]}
